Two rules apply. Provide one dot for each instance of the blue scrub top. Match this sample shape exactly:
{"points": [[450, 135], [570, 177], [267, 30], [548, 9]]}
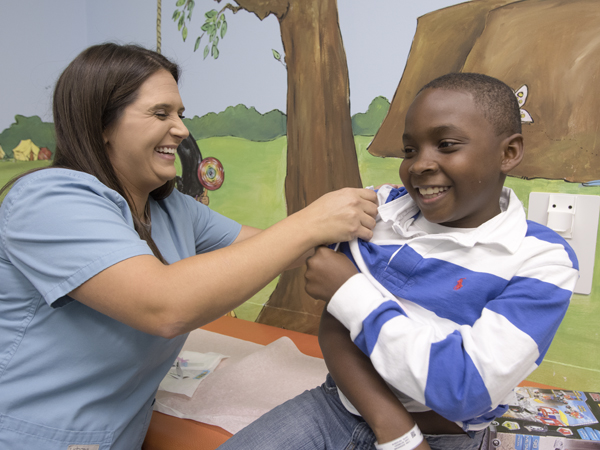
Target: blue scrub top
{"points": [[70, 375]]}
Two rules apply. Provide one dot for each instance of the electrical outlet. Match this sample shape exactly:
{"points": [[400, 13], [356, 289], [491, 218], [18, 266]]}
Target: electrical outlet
{"points": [[575, 218]]}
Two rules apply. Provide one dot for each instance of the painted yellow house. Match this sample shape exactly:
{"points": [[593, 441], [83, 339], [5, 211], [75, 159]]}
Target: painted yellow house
{"points": [[26, 151], [2, 154]]}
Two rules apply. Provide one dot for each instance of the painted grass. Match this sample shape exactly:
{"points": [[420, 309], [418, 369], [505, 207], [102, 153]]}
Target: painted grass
{"points": [[10, 168], [375, 171], [253, 194]]}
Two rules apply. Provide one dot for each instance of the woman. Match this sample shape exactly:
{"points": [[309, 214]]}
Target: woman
{"points": [[105, 267]]}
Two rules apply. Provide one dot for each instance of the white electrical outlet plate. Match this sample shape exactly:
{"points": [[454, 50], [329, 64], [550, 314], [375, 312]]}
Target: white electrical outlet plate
{"points": [[575, 218]]}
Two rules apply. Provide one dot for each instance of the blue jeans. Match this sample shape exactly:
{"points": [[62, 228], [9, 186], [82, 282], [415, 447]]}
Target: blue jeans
{"points": [[317, 420]]}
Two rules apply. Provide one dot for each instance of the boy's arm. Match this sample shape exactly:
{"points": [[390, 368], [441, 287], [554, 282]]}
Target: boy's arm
{"points": [[350, 368], [462, 372], [356, 377]]}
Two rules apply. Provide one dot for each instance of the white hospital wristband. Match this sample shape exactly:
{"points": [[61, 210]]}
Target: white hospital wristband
{"points": [[407, 441]]}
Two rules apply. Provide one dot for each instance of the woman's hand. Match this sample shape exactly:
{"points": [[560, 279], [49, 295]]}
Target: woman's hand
{"points": [[341, 216], [326, 272]]}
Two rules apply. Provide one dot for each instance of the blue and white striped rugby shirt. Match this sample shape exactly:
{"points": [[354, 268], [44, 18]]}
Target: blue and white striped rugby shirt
{"points": [[453, 319]]}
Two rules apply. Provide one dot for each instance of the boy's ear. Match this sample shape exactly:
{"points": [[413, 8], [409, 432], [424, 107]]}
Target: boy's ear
{"points": [[512, 152]]}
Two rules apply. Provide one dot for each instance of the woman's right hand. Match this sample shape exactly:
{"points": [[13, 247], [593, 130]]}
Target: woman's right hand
{"points": [[341, 216]]}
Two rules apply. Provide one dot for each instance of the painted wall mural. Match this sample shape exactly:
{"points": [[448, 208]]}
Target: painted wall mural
{"points": [[546, 50], [321, 154]]}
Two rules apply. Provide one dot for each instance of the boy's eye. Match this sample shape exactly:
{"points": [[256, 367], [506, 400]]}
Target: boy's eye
{"points": [[408, 152], [446, 144]]}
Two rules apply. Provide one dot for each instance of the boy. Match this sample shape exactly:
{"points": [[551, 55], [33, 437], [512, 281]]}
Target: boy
{"points": [[440, 303]]}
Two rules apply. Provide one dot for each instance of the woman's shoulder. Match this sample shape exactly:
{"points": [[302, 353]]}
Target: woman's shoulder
{"points": [[57, 175], [58, 183]]}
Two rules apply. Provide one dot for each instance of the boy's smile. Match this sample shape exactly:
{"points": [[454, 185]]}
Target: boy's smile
{"points": [[453, 165]]}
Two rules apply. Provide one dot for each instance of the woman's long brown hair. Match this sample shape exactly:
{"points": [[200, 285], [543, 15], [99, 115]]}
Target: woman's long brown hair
{"points": [[90, 95]]}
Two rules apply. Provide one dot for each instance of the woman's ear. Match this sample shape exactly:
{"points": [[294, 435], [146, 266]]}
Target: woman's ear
{"points": [[512, 152]]}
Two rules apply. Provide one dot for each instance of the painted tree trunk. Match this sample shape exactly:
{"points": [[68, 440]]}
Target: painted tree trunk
{"points": [[321, 154]]}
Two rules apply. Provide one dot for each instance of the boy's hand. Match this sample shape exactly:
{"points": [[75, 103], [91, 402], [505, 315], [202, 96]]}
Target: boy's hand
{"points": [[326, 272]]}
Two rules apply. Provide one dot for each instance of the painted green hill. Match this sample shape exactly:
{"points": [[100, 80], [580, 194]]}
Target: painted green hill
{"points": [[239, 121], [235, 121]]}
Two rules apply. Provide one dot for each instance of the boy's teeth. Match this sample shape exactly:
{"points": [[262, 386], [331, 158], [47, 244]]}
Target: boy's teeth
{"points": [[432, 190]]}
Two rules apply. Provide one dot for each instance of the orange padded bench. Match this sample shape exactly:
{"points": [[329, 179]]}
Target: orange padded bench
{"points": [[169, 433]]}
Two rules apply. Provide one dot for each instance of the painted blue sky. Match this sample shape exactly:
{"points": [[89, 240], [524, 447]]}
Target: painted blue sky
{"points": [[40, 37]]}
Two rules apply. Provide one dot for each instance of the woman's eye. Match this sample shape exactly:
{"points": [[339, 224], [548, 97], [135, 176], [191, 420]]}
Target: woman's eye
{"points": [[181, 116], [162, 115]]}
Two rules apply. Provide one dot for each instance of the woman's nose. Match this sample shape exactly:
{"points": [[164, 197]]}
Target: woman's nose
{"points": [[179, 129]]}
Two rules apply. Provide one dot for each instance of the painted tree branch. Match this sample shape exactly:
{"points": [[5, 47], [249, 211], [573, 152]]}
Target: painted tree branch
{"points": [[262, 8]]}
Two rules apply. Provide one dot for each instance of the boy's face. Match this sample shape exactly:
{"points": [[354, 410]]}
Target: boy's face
{"points": [[453, 159]]}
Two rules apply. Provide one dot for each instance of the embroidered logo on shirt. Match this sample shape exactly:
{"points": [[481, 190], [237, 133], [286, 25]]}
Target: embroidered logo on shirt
{"points": [[84, 447], [459, 284]]}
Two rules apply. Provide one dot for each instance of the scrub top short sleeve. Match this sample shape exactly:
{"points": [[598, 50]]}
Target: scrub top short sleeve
{"points": [[63, 231], [209, 229], [69, 375]]}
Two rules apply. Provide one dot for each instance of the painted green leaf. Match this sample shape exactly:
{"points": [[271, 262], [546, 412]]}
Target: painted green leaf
{"points": [[184, 33], [180, 3], [176, 15], [206, 50], [216, 40], [180, 24], [276, 55], [223, 29], [197, 44], [205, 27], [211, 14], [215, 52]]}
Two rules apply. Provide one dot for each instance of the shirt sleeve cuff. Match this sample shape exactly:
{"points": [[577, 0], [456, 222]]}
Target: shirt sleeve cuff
{"points": [[354, 301]]}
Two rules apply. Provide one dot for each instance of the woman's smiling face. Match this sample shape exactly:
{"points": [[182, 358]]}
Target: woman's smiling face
{"points": [[142, 143], [453, 159]]}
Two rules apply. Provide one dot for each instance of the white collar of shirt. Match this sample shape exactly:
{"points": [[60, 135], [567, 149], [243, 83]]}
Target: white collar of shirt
{"points": [[507, 229]]}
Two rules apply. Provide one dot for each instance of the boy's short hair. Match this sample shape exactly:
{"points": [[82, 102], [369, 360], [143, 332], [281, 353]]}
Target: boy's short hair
{"points": [[497, 101]]}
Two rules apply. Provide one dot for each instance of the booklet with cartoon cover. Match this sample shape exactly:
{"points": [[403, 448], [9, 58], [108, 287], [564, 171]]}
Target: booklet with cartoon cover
{"points": [[543, 419]]}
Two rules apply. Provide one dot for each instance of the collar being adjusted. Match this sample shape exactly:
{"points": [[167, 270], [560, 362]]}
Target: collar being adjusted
{"points": [[507, 229]]}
